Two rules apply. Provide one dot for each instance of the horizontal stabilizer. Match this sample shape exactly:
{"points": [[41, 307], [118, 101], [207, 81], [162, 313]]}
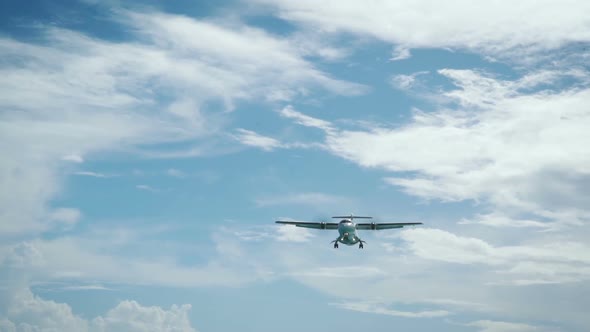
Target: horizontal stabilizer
{"points": [[307, 224], [352, 217], [385, 225]]}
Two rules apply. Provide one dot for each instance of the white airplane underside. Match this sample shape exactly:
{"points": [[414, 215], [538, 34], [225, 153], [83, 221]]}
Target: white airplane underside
{"points": [[347, 228]]}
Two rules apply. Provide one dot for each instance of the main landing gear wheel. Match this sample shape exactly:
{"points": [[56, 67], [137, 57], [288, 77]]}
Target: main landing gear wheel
{"points": [[335, 245], [361, 245]]}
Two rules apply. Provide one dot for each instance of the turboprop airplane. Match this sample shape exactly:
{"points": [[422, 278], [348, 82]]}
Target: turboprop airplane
{"points": [[347, 228]]}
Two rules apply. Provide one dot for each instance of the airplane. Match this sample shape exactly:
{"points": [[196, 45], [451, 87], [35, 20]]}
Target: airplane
{"points": [[347, 228]]}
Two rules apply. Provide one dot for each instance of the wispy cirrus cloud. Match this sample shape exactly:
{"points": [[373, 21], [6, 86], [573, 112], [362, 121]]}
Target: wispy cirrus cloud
{"points": [[382, 309], [499, 326], [160, 88], [251, 138], [146, 187], [494, 29], [290, 113], [94, 174], [497, 219]]}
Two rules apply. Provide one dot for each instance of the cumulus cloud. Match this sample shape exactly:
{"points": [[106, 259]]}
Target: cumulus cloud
{"points": [[131, 316], [28, 312], [21, 310]]}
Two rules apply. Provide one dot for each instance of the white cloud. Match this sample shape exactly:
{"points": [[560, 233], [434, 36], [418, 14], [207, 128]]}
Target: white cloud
{"points": [[145, 187], [439, 273], [288, 233], [305, 120], [131, 316], [65, 216], [85, 287], [403, 82], [441, 245], [255, 63], [253, 235], [175, 173], [118, 255], [276, 233], [495, 28], [73, 158], [380, 308], [7, 325], [406, 82], [250, 138], [28, 312], [497, 219], [515, 147], [157, 89], [400, 53], [354, 272], [92, 174], [506, 146], [497, 326]]}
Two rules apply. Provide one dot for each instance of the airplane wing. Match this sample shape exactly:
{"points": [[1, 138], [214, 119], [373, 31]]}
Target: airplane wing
{"points": [[307, 224], [384, 225]]}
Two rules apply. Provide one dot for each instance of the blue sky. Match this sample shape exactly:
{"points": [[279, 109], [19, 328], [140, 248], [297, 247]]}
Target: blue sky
{"points": [[149, 147]]}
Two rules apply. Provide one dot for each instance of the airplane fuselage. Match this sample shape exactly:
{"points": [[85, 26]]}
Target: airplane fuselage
{"points": [[347, 230]]}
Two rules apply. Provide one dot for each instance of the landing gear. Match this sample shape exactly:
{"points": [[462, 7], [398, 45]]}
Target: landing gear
{"points": [[361, 245], [335, 245]]}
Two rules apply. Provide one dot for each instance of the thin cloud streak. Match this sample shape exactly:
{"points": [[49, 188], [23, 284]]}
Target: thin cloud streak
{"points": [[377, 308]]}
